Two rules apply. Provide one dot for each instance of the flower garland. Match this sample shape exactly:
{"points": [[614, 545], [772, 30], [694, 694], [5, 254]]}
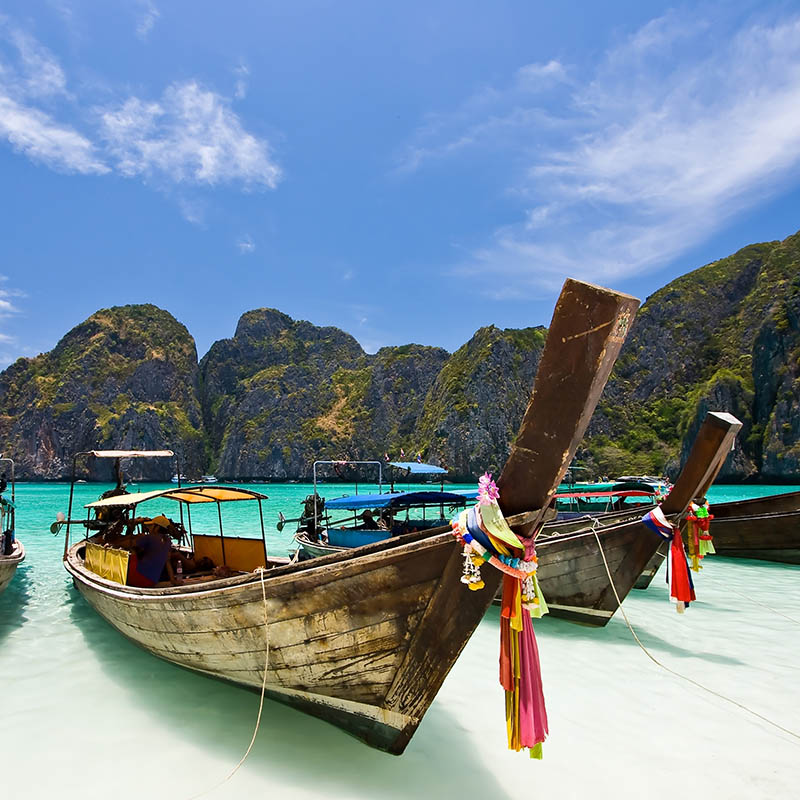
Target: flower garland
{"points": [[487, 538]]}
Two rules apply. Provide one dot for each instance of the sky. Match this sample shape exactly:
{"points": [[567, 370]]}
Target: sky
{"points": [[405, 171]]}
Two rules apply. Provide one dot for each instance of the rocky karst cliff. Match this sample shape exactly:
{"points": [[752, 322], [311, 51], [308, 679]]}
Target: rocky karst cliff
{"points": [[281, 393], [124, 378], [726, 336]]}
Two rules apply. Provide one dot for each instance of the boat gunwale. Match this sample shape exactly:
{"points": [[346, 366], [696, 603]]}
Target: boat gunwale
{"points": [[16, 557], [333, 566]]}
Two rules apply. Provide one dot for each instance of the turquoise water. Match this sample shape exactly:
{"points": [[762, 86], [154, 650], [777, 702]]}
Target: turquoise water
{"points": [[85, 714]]}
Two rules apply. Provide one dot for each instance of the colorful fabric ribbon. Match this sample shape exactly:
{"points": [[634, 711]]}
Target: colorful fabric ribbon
{"points": [[486, 536], [679, 579], [698, 534]]}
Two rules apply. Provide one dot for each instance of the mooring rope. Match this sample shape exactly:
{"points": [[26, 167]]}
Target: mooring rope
{"points": [[770, 608], [260, 570], [669, 669]]}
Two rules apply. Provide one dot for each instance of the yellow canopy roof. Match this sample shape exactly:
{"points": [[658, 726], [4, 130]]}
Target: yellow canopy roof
{"points": [[183, 494], [130, 453]]}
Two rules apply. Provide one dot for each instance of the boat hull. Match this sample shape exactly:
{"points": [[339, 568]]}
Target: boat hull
{"points": [[362, 640], [766, 537], [573, 576], [9, 564]]}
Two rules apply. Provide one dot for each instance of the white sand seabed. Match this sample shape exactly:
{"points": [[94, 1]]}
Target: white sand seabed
{"points": [[86, 715], [91, 716]]}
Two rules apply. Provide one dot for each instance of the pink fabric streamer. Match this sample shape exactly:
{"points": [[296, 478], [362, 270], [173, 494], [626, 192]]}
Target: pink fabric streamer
{"points": [[532, 712]]}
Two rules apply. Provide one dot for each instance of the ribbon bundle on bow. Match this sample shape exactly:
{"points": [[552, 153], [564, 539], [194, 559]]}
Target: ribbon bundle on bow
{"points": [[699, 535], [679, 579], [486, 536]]}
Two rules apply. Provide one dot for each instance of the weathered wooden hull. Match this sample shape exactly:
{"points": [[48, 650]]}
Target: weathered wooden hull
{"points": [[756, 506], [766, 537], [363, 640], [651, 568], [573, 576], [9, 564]]}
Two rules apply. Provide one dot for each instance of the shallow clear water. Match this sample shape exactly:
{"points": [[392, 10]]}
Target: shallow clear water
{"points": [[85, 714]]}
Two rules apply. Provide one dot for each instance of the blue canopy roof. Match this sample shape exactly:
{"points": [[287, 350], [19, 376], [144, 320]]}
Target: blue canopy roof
{"points": [[396, 500], [415, 468]]}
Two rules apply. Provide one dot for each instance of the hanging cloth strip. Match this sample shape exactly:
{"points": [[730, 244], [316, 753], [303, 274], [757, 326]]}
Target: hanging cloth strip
{"points": [[698, 535], [679, 579], [487, 537]]}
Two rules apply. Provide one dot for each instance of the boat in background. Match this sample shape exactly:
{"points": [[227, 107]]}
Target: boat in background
{"points": [[761, 528], [382, 517], [12, 552], [381, 514], [364, 639]]}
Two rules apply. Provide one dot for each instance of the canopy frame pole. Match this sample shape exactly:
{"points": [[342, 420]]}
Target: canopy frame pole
{"points": [[12, 519], [189, 518], [263, 533], [69, 509], [221, 537], [180, 505]]}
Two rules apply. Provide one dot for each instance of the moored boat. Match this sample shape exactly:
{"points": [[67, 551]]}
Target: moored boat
{"points": [[572, 568], [763, 528], [12, 552], [364, 639]]}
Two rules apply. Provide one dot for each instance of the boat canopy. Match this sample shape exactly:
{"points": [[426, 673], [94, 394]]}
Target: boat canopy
{"points": [[415, 468], [396, 500], [129, 453], [183, 494]]}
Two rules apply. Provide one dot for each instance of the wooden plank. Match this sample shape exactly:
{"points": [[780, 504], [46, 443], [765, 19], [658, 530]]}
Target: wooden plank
{"points": [[584, 339], [709, 451]]}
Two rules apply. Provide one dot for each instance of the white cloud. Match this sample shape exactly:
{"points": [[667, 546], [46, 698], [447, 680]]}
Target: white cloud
{"points": [[246, 244], [31, 75], [40, 138], [488, 116], [40, 73], [189, 136], [241, 73], [148, 14], [676, 131], [192, 210]]}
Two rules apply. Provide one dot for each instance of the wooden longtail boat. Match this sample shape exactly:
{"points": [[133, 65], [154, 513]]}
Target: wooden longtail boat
{"points": [[765, 528], [761, 528], [571, 571], [364, 639], [11, 560]]}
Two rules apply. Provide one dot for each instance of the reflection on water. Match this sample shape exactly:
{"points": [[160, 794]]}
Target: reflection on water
{"points": [[90, 715]]}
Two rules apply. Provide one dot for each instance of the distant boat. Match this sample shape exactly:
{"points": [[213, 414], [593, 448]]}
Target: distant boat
{"points": [[208, 479], [178, 478], [12, 553]]}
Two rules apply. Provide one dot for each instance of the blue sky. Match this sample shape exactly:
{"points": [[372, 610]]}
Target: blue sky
{"points": [[406, 171]]}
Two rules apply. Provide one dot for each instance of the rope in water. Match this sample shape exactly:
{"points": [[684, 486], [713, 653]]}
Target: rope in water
{"points": [[773, 610], [672, 671], [260, 570]]}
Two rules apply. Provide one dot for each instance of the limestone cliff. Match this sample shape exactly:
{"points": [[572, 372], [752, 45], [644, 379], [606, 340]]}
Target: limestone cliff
{"points": [[124, 378], [282, 393], [725, 336]]}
